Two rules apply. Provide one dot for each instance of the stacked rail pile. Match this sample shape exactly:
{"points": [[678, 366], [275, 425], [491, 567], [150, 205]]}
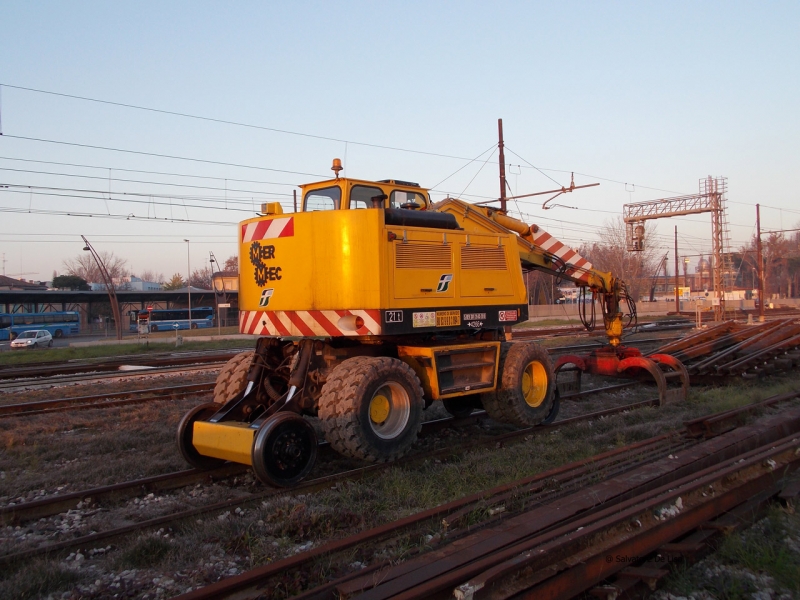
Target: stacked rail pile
{"points": [[561, 549], [736, 349]]}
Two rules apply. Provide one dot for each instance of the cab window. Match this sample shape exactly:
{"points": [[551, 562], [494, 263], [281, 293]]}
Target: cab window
{"points": [[361, 196], [324, 199], [398, 198]]}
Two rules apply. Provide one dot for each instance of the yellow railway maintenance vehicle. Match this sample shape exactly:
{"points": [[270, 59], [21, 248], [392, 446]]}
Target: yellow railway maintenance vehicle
{"points": [[371, 303]]}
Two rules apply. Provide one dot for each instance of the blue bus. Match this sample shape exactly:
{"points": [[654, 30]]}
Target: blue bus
{"points": [[169, 319], [58, 324]]}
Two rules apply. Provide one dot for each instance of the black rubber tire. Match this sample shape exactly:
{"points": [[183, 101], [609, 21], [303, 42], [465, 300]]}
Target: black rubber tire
{"points": [[553, 410], [458, 407], [12, 336], [232, 379], [194, 325], [284, 450], [50, 344], [350, 399], [35, 345], [58, 333], [184, 437], [153, 328], [509, 404]]}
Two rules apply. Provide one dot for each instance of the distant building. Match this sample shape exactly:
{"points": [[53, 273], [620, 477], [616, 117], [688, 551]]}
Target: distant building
{"points": [[141, 285], [132, 283], [9, 283], [227, 281]]}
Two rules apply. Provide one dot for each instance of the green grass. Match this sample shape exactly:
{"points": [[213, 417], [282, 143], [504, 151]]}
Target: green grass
{"points": [[145, 552], [29, 357], [41, 579]]}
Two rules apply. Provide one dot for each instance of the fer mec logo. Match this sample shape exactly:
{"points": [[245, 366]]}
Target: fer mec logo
{"points": [[444, 282], [265, 296]]}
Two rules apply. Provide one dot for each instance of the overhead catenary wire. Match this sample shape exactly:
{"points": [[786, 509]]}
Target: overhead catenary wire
{"points": [[230, 122]]}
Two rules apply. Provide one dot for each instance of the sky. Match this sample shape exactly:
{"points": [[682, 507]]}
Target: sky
{"points": [[645, 98]]}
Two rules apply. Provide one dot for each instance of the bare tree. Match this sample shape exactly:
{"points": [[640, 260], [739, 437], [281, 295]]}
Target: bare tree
{"points": [[149, 275], [636, 269], [86, 268], [201, 278], [232, 264]]}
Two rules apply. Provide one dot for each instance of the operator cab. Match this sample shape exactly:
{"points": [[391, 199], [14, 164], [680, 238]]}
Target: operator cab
{"points": [[344, 193]]}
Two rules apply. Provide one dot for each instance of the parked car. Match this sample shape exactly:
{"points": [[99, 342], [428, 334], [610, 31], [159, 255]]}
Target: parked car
{"points": [[34, 338]]}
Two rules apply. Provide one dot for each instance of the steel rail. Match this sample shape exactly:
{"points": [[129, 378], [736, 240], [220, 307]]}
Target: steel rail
{"points": [[519, 541], [588, 566], [85, 378], [54, 505], [251, 583], [113, 365], [112, 399], [18, 512]]}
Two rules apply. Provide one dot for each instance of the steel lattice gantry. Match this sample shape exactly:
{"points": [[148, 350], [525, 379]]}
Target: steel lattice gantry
{"points": [[710, 199]]}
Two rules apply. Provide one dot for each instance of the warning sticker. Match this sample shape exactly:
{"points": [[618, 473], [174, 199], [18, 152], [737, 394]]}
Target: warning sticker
{"points": [[506, 315], [424, 319], [448, 318]]}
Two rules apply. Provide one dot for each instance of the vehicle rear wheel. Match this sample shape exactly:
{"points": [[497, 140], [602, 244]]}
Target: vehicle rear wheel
{"points": [[194, 325], [371, 408], [185, 432], [153, 327], [232, 379], [50, 344], [525, 393], [58, 333], [284, 449]]}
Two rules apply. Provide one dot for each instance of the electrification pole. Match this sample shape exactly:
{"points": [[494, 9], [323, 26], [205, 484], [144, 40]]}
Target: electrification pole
{"points": [[760, 265], [502, 166], [677, 299]]}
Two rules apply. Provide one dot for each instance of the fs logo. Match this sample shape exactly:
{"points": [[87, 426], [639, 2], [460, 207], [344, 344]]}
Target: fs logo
{"points": [[444, 282], [265, 296]]}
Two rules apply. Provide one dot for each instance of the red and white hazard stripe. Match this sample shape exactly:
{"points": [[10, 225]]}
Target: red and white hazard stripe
{"points": [[578, 266], [267, 229], [306, 323]]}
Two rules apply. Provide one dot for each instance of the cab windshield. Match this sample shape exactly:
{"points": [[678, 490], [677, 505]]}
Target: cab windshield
{"points": [[324, 199]]}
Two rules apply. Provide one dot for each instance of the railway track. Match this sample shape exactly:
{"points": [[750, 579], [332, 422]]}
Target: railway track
{"points": [[54, 505], [136, 372], [114, 365], [557, 543], [113, 399]]}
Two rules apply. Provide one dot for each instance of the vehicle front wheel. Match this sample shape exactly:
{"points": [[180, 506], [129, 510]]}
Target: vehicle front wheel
{"points": [[525, 393], [153, 327], [194, 325], [58, 333], [284, 449], [35, 345], [371, 408]]}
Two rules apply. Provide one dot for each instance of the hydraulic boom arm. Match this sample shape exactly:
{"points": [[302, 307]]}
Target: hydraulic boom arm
{"points": [[538, 250]]}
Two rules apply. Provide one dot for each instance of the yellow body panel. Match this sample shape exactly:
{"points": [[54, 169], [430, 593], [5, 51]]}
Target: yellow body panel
{"points": [[350, 259], [330, 262], [441, 369], [231, 440]]}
